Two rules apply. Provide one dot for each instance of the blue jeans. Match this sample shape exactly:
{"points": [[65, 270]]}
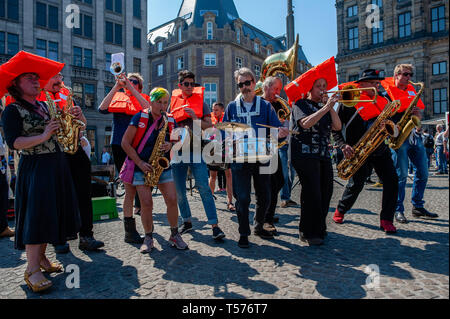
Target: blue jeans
{"points": [[429, 152], [417, 155], [200, 173], [288, 173], [441, 159]]}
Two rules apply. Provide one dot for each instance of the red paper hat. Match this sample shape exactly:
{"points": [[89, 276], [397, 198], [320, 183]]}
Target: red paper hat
{"points": [[24, 62], [298, 88], [404, 96]]}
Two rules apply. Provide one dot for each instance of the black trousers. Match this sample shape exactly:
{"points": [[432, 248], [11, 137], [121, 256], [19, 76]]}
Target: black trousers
{"points": [[384, 167], [4, 203], [119, 157], [222, 179], [316, 178], [276, 184], [242, 176], [80, 168]]}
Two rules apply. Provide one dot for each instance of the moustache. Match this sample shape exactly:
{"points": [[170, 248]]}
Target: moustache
{"points": [[246, 91]]}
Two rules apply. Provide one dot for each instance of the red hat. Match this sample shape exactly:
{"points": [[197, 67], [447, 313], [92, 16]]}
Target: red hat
{"points": [[298, 88], [24, 62]]}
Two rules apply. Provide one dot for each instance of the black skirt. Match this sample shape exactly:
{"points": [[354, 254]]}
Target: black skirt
{"points": [[45, 205]]}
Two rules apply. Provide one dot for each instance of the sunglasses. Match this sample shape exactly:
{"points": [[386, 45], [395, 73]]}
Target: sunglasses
{"points": [[188, 84], [135, 82], [407, 74], [246, 83]]}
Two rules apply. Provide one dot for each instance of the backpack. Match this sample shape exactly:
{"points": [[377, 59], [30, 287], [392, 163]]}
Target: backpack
{"points": [[429, 142]]}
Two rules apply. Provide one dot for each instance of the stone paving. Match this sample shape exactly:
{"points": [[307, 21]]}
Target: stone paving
{"points": [[414, 263]]}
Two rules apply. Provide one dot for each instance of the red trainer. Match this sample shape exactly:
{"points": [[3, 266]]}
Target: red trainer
{"points": [[338, 217], [387, 226]]}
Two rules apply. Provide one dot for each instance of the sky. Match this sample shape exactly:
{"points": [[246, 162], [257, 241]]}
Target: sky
{"points": [[315, 21]]}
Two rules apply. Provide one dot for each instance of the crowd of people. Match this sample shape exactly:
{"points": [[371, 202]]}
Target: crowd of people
{"points": [[53, 188]]}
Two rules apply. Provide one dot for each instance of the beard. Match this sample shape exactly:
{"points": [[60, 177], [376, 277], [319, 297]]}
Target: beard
{"points": [[244, 91]]}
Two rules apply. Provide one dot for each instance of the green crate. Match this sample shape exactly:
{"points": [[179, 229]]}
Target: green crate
{"points": [[104, 208]]}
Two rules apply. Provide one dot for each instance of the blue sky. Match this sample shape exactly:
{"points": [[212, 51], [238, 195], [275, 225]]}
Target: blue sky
{"points": [[315, 21]]}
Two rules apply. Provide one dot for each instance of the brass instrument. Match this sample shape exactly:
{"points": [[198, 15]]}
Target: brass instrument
{"points": [[408, 121], [351, 95], [157, 160], [369, 142], [70, 127]]}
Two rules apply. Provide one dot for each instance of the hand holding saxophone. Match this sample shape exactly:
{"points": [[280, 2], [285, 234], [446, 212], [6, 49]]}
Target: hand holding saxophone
{"points": [[76, 112], [166, 146], [348, 151], [51, 128], [145, 167]]}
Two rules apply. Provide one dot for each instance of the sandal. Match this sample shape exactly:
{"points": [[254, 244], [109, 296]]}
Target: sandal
{"points": [[38, 287], [231, 207], [54, 267]]}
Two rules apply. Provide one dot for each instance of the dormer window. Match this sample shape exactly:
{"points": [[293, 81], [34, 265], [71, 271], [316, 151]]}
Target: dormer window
{"points": [[179, 34], [238, 35], [209, 30], [160, 46], [269, 52], [256, 47]]}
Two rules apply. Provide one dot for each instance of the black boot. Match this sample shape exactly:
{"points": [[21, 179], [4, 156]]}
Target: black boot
{"points": [[131, 234]]}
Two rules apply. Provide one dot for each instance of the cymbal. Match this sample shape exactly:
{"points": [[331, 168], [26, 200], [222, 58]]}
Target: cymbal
{"points": [[231, 125]]}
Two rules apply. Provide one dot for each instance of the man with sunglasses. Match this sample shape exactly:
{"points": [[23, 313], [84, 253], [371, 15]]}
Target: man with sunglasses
{"points": [[251, 110], [412, 149], [189, 109]]}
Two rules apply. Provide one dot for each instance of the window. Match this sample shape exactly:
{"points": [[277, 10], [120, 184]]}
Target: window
{"points": [[85, 28], [87, 61], [256, 47], [210, 96], [440, 101], [180, 63], [13, 43], [84, 94], [238, 35], [238, 63], [83, 57], [257, 71], [41, 47], [352, 11], [118, 34], [137, 9], [136, 65], [107, 89], [160, 69], [440, 68], [9, 9], [353, 42], [209, 59], [209, 31], [377, 33], [53, 51], [438, 19], [113, 33], [353, 77], [136, 38], [2, 43], [77, 56], [378, 3], [404, 25], [159, 46], [269, 52], [50, 52], [47, 16], [114, 5], [107, 61], [179, 34]]}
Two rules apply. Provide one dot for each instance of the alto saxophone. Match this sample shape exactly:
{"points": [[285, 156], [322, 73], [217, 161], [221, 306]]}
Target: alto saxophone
{"points": [[407, 122], [369, 142], [157, 160]]}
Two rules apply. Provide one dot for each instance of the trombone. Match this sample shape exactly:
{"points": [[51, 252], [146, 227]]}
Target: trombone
{"points": [[351, 95]]}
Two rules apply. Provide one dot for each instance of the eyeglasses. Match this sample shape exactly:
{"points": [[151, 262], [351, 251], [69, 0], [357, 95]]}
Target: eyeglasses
{"points": [[407, 74], [188, 84], [246, 83], [135, 82]]}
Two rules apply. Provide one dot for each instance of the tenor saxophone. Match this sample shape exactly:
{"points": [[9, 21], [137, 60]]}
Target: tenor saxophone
{"points": [[369, 142], [157, 160], [407, 122]]}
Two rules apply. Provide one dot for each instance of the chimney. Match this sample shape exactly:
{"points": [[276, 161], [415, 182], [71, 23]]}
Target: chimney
{"points": [[290, 31]]}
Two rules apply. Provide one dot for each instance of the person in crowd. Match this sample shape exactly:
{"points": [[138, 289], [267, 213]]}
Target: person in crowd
{"points": [[441, 150]]}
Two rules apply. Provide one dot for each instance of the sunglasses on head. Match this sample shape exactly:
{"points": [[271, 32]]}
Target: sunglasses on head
{"points": [[135, 82], [407, 74], [246, 83], [188, 84]]}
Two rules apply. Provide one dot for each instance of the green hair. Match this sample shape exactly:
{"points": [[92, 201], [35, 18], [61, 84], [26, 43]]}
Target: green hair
{"points": [[158, 93]]}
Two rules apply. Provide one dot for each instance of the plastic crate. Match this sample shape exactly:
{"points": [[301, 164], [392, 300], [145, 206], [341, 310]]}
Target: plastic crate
{"points": [[104, 208]]}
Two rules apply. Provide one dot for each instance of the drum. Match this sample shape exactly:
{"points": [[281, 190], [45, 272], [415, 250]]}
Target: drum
{"points": [[252, 150]]}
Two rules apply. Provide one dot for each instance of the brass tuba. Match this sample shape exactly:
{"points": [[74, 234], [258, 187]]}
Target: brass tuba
{"points": [[408, 121], [369, 142]]}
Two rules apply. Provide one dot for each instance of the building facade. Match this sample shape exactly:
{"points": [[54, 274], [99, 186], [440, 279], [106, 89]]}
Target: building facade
{"points": [[83, 35], [210, 39], [409, 31]]}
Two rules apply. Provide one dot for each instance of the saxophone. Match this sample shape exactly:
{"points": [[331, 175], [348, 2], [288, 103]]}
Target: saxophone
{"points": [[157, 160], [369, 142], [69, 131], [407, 122]]}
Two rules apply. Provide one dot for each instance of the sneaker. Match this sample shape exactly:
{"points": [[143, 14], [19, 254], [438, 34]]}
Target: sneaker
{"points": [[314, 241], [388, 227], [7, 233], [147, 246], [62, 248], [338, 217], [218, 233], [264, 234], [178, 242], [243, 242], [422, 212], [186, 227], [90, 244], [270, 228], [377, 184]]}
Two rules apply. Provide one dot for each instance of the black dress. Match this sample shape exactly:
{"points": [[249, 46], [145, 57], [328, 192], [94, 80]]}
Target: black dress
{"points": [[46, 206]]}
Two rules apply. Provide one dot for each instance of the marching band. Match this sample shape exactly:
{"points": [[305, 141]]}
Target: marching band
{"points": [[53, 188]]}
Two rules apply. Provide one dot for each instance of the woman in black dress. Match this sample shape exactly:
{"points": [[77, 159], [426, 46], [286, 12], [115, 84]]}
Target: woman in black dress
{"points": [[46, 206], [311, 158]]}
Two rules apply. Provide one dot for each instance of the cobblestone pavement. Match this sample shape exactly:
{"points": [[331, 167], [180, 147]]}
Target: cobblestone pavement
{"points": [[414, 263]]}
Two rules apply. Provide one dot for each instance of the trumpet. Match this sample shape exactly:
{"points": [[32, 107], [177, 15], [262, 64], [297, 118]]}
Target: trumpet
{"points": [[351, 95]]}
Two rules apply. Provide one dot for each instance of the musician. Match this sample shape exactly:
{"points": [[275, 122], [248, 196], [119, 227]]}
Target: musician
{"points": [[46, 205], [355, 124], [124, 105], [214, 171], [145, 128], [251, 110], [188, 109], [80, 167], [412, 149]]}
